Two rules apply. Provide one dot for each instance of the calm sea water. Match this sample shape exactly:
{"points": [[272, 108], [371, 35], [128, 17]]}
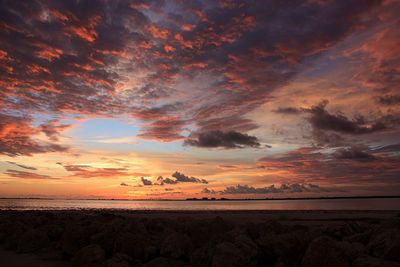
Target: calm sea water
{"points": [[314, 204]]}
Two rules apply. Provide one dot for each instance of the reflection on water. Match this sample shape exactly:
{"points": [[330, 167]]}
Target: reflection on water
{"points": [[313, 204]]}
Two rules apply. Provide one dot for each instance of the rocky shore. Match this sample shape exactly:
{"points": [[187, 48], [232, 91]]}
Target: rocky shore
{"points": [[128, 238]]}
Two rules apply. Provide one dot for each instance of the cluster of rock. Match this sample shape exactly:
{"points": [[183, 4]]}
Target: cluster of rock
{"points": [[112, 239]]}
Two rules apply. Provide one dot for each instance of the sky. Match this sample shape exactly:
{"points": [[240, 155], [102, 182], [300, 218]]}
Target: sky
{"points": [[182, 99]]}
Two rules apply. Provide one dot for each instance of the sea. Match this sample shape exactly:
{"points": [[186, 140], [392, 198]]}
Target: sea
{"points": [[202, 205]]}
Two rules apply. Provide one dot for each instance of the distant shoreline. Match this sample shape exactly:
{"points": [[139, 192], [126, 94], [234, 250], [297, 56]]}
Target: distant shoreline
{"points": [[206, 199]]}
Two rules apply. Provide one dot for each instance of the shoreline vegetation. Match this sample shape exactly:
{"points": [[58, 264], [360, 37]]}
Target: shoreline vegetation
{"points": [[209, 199]]}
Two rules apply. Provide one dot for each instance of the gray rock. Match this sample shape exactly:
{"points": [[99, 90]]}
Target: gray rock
{"points": [[92, 255], [324, 252]]}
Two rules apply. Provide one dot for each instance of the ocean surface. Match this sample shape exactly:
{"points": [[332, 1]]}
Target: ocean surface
{"points": [[309, 204]]}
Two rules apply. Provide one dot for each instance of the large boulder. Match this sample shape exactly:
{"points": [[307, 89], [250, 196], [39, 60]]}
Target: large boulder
{"points": [[119, 260], [164, 262], [175, 245], [367, 261], [386, 245], [325, 252], [73, 239], [89, 256], [33, 240], [132, 245], [233, 254]]}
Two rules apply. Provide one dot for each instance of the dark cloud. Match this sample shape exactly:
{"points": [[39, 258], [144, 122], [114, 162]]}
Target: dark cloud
{"points": [[389, 100], [22, 166], [284, 188], [28, 175], [289, 110], [208, 191], [180, 177], [321, 119], [161, 180], [353, 153], [146, 181], [228, 140], [352, 167], [124, 184]]}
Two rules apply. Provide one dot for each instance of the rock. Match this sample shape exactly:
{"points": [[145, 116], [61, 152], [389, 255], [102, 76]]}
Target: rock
{"points": [[175, 245], [386, 245], [73, 239], [324, 252], [132, 245], [33, 240], [105, 239], [353, 250], [368, 261], [227, 254], [201, 257], [54, 232], [164, 262], [119, 260], [91, 255]]}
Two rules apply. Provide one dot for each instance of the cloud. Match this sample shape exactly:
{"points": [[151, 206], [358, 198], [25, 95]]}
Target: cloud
{"points": [[289, 110], [272, 189], [208, 191], [124, 184], [145, 181], [108, 58], [323, 120], [180, 177], [228, 140], [28, 175], [22, 166], [17, 137], [353, 153], [87, 171], [161, 180], [389, 100]]}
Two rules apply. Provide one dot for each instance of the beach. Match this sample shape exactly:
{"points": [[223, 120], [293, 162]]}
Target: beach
{"points": [[199, 238]]}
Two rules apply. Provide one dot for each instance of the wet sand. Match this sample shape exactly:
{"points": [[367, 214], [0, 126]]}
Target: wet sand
{"points": [[193, 238]]}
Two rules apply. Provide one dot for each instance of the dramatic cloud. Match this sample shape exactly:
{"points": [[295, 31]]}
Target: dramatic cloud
{"points": [[118, 57], [229, 139], [28, 175], [353, 153], [284, 188], [322, 119], [180, 177], [389, 100], [16, 137]]}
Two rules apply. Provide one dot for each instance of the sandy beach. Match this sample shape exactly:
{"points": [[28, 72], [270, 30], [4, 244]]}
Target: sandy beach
{"points": [[193, 238]]}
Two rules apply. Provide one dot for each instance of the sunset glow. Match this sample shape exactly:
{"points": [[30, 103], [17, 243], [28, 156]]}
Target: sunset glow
{"points": [[192, 99]]}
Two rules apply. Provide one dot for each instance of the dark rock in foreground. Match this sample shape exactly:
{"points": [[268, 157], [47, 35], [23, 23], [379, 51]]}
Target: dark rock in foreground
{"points": [[124, 239]]}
